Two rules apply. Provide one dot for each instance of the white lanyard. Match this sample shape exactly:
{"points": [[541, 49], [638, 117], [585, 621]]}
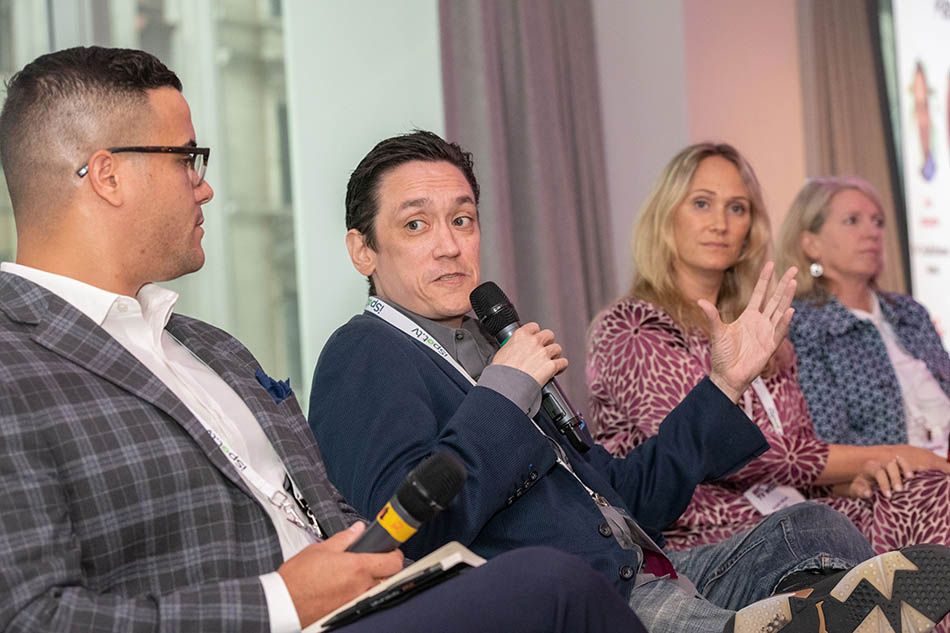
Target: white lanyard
{"points": [[272, 493], [768, 403], [769, 498], [378, 307], [392, 316], [276, 496]]}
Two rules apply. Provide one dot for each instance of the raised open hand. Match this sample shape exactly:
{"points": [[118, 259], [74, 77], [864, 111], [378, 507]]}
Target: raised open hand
{"points": [[741, 349]]}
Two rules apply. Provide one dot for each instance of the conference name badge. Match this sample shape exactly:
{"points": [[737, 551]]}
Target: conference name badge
{"points": [[769, 498]]}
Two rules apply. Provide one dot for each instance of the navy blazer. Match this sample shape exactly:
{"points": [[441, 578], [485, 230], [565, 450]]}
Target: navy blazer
{"points": [[381, 402]]}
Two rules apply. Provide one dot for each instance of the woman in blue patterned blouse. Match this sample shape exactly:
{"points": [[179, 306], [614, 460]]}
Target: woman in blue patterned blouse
{"points": [[871, 364]]}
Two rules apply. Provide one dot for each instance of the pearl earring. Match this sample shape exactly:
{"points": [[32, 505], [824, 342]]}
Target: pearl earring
{"points": [[816, 270]]}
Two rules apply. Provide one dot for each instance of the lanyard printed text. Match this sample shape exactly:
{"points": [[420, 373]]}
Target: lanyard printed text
{"points": [[233, 457], [403, 323]]}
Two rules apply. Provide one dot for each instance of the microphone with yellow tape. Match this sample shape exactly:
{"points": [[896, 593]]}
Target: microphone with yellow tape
{"points": [[425, 492]]}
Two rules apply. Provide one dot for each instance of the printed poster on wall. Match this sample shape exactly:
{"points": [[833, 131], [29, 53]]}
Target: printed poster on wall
{"points": [[922, 37]]}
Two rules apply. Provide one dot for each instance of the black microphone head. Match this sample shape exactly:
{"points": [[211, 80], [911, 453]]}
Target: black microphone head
{"points": [[431, 485], [493, 308]]}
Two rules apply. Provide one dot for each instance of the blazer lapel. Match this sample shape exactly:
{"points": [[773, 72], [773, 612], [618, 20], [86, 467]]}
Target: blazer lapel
{"points": [[440, 362], [239, 374], [283, 424], [66, 331], [449, 371]]}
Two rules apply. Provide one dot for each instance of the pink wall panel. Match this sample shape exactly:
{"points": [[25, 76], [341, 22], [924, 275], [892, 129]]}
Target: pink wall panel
{"points": [[743, 86]]}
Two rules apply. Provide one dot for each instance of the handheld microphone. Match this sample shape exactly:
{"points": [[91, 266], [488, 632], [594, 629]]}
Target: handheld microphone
{"points": [[425, 492], [501, 320]]}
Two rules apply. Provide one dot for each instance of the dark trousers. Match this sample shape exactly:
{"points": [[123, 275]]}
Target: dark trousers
{"points": [[531, 590]]}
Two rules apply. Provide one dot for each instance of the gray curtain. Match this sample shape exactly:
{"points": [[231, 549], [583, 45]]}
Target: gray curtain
{"points": [[845, 132], [521, 93]]}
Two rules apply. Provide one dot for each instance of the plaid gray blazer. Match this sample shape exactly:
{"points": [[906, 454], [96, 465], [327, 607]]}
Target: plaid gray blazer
{"points": [[117, 511]]}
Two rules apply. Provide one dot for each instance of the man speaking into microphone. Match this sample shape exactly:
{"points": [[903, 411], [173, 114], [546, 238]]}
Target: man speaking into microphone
{"points": [[152, 477], [413, 375]]}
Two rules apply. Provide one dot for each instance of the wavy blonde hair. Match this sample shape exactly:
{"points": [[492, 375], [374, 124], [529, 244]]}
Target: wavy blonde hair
{"points": [[654, 249], [808, 212]]}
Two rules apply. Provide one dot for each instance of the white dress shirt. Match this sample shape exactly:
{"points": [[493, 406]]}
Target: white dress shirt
{"points": [[926, 406], [138, 324]]}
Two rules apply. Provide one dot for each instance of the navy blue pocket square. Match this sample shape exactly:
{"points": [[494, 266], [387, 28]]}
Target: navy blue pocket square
{"points": [[279, 390]]}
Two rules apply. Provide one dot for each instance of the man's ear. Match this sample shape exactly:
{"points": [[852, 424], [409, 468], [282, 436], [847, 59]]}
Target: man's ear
{"points": [[104, 178], [809, 244], [362, 256]]}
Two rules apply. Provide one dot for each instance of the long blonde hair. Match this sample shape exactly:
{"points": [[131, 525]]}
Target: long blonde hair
{"points": [[808, 212], [654, 249]]}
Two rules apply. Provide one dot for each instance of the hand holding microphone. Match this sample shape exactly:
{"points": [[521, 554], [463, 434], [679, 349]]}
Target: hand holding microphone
{"points": [[425, 492], [325, 575], [500, 318], [533, 351]]}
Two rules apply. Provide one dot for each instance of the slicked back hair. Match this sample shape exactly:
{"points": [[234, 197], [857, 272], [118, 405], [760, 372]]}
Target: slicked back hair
{"points": [[64, 106], [362, 191]]}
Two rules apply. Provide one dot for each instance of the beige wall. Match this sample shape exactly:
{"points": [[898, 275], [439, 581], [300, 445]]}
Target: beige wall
{"points": [[672, 73], [643, 105], [743, 86]]}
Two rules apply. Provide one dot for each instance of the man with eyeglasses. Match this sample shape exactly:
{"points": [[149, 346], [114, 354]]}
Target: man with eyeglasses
{"points": [[152, 477]]}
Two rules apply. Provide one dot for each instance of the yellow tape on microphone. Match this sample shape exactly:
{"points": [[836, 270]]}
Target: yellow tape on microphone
{"points": [[394, 524]]}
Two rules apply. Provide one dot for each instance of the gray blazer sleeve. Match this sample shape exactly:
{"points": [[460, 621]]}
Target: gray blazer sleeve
{"points": [[43, 586]]}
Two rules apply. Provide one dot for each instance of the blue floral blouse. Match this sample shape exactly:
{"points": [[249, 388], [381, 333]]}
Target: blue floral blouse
{"points": [[845, 372]]}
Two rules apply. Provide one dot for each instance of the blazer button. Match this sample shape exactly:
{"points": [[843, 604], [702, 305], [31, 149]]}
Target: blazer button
{"points": [[627, 572], [510, 500], [533, 476], [605, 530]]}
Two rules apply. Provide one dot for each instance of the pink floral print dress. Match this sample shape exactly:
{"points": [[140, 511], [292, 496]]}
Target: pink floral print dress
{"points": [[640, 364]]}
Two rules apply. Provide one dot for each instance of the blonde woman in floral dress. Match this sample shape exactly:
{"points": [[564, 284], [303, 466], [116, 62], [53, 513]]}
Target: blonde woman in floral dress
{"points": [[703, 235]]}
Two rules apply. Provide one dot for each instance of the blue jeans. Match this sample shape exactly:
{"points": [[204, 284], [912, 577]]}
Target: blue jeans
{"points": [[747, 567]]}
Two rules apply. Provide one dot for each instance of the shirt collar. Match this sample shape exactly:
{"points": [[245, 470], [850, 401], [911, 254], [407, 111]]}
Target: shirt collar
{"points": [[874, 315], [442, 333], [156, 302], [473, 353], [890, 310], [844, 318]]}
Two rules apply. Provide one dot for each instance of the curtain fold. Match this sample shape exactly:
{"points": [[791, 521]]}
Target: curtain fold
{"points": [[846, 130], [521, 93]]}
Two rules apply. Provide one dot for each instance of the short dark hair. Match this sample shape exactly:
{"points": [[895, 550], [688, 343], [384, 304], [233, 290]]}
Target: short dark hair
{"points": [[362, 191], [52, 100]]}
